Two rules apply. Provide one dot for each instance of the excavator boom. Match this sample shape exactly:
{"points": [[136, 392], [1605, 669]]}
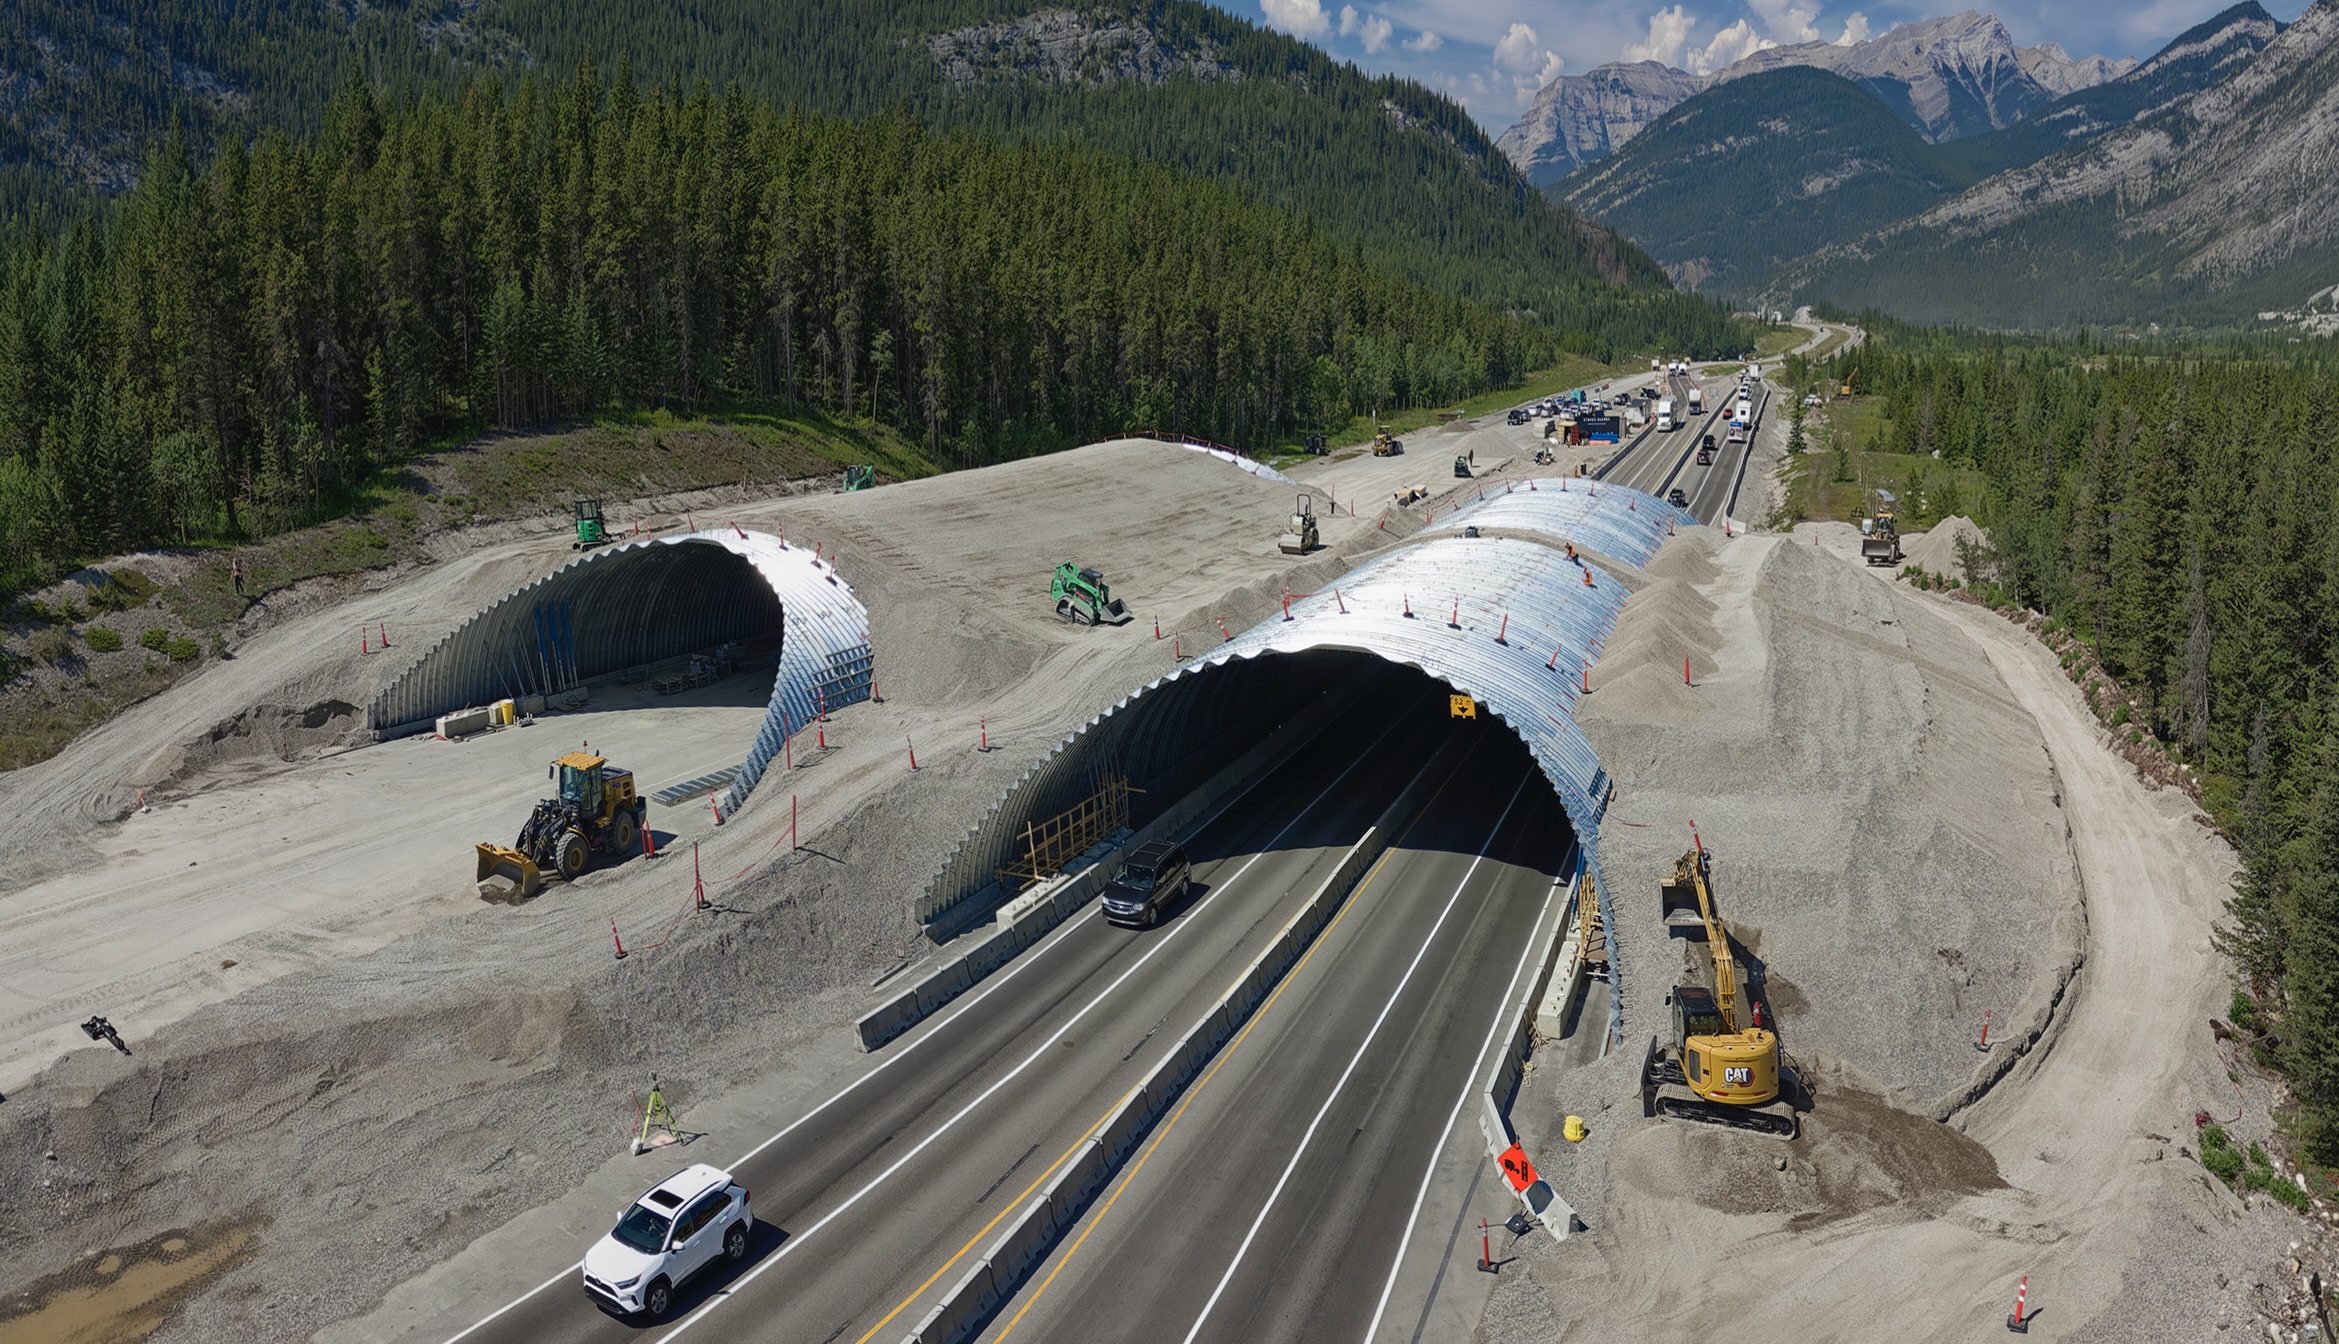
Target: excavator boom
{"points": [[1722, 1067]]}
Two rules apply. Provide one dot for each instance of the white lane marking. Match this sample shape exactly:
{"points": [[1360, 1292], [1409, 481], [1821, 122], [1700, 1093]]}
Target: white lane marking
{"points": [[994, 983], [1353, 1061], [1034, 1057], [1461, 1103]]}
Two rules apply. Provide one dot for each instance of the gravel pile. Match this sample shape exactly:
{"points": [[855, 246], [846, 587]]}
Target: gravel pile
{"points": [[1888, 855], [1936, 551]]}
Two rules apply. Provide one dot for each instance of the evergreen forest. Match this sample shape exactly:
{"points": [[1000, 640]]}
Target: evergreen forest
{"points": [[246, 338], [2173, 509], [1380, 164]]}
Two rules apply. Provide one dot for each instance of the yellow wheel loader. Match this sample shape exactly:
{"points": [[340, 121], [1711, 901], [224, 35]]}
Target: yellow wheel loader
{"points": [[597, 809], [1722, 1068]]}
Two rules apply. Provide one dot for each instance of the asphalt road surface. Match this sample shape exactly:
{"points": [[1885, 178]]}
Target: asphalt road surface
{"points": [[1661, 461], [1272, 1203], [870, 1205]]}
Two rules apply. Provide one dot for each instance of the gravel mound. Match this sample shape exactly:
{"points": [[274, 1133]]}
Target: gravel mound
{"points": [[1935, 551], [1883, 818]]}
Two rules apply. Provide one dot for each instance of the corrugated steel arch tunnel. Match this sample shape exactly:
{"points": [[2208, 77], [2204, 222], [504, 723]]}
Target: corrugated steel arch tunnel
{"points": [[1505, 617], [644, 602]]}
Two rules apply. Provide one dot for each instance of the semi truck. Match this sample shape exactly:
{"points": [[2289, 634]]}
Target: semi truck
{"points": [[1665, 421], [1697, 400]]}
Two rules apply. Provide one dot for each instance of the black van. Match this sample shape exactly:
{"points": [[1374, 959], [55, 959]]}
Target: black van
{"points": [[1153, 876]]}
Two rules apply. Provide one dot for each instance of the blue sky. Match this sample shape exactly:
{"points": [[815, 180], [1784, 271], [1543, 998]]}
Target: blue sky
{"points": [[1494, 54]]}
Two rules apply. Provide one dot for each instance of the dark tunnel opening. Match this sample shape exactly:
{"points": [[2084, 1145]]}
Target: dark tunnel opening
{"points": [[1346, 720]]}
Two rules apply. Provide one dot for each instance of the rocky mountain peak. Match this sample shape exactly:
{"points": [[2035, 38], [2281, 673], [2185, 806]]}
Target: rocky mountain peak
{"points": [[1948, 77]]}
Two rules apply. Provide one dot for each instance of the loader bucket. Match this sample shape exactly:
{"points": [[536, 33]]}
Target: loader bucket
{"points": [[1116, 613], [506, 876]]}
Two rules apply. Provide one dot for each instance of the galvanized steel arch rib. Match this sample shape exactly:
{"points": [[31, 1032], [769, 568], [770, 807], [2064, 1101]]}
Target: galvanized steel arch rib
{"points": [[1511, 623], [639, 602]]}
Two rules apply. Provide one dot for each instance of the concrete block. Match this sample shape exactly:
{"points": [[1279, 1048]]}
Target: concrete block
{"points": [[991, 953], [1035, 923], [1494, 1125], [888, 1020], [1127, 1127], [1020, 1246], [1176, 1069], [464, 722], [947, 982], [967, 1303], [1068, 1193], [1546, 1207]]}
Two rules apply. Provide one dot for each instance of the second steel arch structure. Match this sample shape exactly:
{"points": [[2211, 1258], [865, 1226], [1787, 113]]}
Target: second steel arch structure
{"points": [[642, 602], [1509, 620]]}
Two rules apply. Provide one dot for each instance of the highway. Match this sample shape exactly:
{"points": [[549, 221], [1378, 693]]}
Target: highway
{"points": [[1659, 461], [870, 1203], [1270, 1206]]}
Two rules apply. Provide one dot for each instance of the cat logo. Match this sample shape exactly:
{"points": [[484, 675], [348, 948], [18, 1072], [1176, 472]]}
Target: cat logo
{"points": [[1738, 1075], [1463, 706]]}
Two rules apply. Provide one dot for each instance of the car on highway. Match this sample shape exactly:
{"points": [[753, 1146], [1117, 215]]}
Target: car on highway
{"points": [[1149, 881], [695, 1219], [1675, 498]]}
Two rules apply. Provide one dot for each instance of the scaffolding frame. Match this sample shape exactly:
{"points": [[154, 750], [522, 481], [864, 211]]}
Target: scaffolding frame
{"points": [[1051, 843]]}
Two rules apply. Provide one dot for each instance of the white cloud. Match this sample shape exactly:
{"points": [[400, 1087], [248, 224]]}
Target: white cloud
{"points": [[1668, 38], [1374, 29], [1515, 50], [1788, 20], [1855, 30], [1427, 42], [1300, 18], [1530, 66], [1731, 45]]}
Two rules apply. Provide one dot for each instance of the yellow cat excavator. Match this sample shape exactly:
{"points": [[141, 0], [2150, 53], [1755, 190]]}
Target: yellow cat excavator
{"points": [[1723, 1067]]}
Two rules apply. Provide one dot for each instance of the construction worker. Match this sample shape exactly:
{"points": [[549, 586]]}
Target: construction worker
{"points": [[235, 573]]}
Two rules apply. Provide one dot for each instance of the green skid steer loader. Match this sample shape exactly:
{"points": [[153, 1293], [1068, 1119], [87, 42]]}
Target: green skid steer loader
{"points": [[1083, 598]]}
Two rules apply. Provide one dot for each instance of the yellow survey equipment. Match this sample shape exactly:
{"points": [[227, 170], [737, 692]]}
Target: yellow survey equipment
{"points": [[1723, 1067], [597, 809]]}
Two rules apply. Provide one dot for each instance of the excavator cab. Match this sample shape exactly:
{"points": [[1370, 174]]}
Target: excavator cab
{"points": [[1719, 1065]]}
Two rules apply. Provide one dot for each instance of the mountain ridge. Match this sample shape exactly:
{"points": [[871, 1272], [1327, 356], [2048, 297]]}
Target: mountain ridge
{"points": [[2197, 211], [1949, 77]]}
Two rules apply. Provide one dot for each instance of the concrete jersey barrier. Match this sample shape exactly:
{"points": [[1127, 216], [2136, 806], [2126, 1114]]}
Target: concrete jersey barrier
{"points": [[1502, 1084]]}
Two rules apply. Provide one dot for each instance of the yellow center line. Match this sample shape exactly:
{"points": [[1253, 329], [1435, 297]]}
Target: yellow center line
{"points": [[1224, 1055], [1010, 1207]]}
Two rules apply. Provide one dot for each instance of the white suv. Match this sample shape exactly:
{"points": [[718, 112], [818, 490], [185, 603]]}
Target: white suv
{"points": [[689, 1221]]}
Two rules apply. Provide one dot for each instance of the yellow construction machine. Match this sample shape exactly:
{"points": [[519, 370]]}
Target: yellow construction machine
{"points": [[1722, 1068], [1386, 444], [597, 809]]}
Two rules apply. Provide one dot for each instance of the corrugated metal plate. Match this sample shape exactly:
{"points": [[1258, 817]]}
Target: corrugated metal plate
{"points": [[1621, 524], [1511, 622], [640, 602]]}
